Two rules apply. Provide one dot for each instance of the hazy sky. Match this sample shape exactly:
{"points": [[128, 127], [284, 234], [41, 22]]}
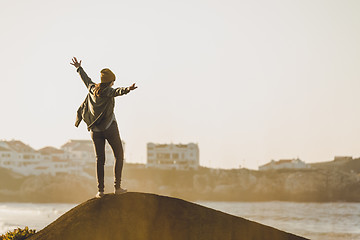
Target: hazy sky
{"points": [[249, 81]]}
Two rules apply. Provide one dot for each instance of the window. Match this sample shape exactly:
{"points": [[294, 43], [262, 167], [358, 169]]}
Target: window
{"points": [[163, 155], [27, 156]]}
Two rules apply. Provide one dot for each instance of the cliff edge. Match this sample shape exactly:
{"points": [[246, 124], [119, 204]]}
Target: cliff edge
{"points": [[142, 216]]}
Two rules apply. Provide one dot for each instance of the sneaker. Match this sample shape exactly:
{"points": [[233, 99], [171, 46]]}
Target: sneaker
{"points": [[120, 191], [100, 195]]}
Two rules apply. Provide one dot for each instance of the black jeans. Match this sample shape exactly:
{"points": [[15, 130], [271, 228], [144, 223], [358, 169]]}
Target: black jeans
{"points": [[113, 137]]}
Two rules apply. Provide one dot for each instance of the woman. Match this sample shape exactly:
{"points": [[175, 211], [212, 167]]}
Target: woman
{"points": [[97, 111]]}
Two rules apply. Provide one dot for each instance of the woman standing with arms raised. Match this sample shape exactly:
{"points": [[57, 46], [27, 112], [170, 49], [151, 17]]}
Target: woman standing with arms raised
{"points": [[97, 111]]}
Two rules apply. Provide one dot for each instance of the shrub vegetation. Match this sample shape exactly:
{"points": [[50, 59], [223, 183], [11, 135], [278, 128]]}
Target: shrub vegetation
{"points": [[18, 234]]}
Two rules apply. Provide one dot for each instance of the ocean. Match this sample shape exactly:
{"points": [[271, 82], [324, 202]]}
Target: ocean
{"points": [[316, 221]]}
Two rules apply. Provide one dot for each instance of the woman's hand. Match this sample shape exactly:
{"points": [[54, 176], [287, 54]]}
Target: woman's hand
{"points": [[75, 62], [133, 87]]}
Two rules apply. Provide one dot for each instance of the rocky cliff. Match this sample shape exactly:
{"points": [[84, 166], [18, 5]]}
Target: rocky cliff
{"points": [[140, 216], [325, 182]]}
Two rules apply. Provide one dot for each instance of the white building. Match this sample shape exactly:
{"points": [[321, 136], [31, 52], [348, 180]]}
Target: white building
{"points": [[19, 157], [74, 156], [55, 161], [82, 151], [284, 164], [173, 156]]}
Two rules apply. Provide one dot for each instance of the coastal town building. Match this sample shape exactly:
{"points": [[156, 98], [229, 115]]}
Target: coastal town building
{"points": [[173, 156], [55, 161], [73, 157], [295, 163], [21, 158], [83, 150]]}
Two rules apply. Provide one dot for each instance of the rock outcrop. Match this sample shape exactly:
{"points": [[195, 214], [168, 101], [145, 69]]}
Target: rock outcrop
{"points": [[325, 183], [141, 216]]}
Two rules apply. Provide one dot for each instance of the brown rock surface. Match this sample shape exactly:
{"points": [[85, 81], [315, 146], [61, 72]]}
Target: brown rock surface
{"points": [[141, 216]]}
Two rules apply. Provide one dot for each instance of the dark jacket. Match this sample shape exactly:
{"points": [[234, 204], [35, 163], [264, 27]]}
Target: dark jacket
{"points": [[97, 111]]}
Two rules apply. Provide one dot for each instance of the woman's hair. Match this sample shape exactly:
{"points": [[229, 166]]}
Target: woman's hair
{"points": [[100, 87]]}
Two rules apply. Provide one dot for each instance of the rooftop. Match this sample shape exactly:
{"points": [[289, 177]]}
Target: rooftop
{"points": [[50, 150], [2, 149], [19, 146], [76, 143]]}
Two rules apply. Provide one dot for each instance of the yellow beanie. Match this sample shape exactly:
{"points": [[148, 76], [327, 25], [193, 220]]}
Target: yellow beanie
{"points": [[107, 75]]}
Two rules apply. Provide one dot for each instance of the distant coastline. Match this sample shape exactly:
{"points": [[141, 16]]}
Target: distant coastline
{"points": [[323, 182]]}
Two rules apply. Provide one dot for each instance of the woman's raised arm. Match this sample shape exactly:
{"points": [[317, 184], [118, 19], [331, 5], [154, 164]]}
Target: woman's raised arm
{"points": [[75, 62], [87, 81]]}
